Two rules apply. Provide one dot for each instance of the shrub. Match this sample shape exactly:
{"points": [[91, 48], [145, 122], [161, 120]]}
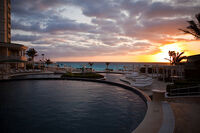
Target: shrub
{"points": [[29, 66], [82, 75]]}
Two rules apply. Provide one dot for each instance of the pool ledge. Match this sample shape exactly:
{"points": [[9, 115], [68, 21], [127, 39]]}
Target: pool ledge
{"points": [[158, 119], [152, 120]]}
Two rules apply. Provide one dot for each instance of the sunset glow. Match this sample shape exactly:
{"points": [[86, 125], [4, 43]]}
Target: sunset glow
{"points": [[160, 57], [106, 30]]}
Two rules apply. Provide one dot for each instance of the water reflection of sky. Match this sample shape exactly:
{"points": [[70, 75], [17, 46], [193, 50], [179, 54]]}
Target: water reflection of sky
{"points": [[68, 106]]}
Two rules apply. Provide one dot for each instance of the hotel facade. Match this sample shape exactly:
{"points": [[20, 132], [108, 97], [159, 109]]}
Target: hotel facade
{"points": [[12, 56]]}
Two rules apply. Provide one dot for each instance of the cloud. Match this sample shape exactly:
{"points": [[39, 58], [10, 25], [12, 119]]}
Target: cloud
{"points": [[53, 24], [163, 10], [114, 27], [25, 38]]}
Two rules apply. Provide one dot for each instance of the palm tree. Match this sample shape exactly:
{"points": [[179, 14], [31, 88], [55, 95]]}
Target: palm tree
{"points": [[42, 61], [31, 53], [171, 53], [107, 64], [176, 57], [194, 27], [91, 64], [48, 62]]}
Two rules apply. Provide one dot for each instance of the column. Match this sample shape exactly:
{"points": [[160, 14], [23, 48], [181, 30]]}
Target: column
{"points": [[157, 70], [24, 65], [152, 68], [163, 73], [146, 69], [6, 51], [167, 75], [172, 74]]}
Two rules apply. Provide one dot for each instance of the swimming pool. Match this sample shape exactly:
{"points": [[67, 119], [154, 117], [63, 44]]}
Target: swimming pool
{"points": [[64, 106]]}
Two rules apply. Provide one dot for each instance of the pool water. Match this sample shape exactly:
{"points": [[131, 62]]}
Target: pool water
{"points": [[62, 106]]}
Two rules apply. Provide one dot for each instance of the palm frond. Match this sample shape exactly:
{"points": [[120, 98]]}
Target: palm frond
{"points": [[181, 58], [178, 55], [194, 27], [198, 18], [167, 59]]}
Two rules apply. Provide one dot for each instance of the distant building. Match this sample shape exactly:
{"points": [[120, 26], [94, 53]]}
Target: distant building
{"points": [[5, 21], [12, 56]]}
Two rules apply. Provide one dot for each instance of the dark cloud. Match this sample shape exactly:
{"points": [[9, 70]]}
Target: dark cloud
{"points": [[160, 10], [116, 27], [53, 24], [25, 38], [34, 27]]}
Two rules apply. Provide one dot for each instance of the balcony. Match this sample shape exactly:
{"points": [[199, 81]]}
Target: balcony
{"points": [[12, 58]]}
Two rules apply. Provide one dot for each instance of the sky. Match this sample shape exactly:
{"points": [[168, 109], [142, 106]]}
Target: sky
{"points": [[104, 30]]}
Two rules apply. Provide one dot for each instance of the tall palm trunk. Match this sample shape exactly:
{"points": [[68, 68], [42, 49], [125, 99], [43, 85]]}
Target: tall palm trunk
{"points": [[33, 63]]}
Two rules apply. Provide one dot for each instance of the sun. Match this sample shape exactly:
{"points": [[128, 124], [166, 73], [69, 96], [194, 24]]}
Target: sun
{"points": [[160, 57]]}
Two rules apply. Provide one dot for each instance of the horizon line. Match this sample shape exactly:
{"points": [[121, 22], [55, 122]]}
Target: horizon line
{"points": [[113, 61]]}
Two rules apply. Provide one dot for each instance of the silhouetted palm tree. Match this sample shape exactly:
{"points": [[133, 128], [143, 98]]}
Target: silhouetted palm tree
{"points": [[29, 59], [91, 64], [178, 58], [31, 53], [107, 64], [42, 57], [175, 58], [171, 53], [194, 27], [48, 62]]}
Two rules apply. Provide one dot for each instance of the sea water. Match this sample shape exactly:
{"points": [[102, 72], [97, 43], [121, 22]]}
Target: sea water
{"points": [[101, 66]]}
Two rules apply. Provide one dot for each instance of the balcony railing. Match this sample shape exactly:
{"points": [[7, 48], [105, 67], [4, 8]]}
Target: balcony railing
{"points": [[23, 58]]}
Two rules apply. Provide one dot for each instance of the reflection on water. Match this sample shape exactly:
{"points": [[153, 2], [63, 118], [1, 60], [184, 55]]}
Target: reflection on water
{"points": [[68, 107]]}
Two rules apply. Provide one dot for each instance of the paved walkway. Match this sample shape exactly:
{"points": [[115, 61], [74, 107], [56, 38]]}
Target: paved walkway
{"points": [[187, 114]]}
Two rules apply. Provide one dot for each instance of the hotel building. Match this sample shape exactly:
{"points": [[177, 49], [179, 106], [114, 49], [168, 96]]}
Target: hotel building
{"points": [[12, 56]]}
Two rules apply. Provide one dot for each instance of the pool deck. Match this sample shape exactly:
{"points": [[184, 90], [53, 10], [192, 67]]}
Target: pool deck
{"points": [[158, 85], [187, 114]]}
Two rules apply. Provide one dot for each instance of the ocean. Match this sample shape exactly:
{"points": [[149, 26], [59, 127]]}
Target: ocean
{"points": [[101, 66]]}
